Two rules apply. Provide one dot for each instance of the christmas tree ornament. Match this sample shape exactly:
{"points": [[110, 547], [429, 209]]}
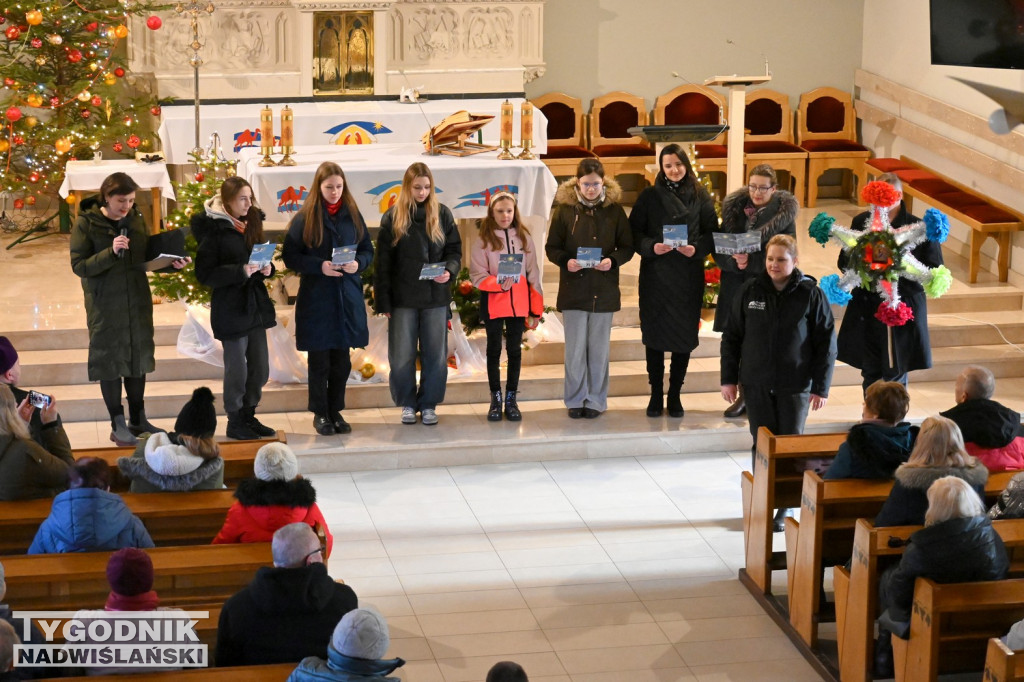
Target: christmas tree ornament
{"points": [[31, 121], [19, 204], [156, 111], [34, 17], [3, 20], [71, 199], [84, 96], [13, 114], [127, 120], [62, 145], [40, 60], [145, 144], [9, 82], [36, 43], [367, 370], [31, 200], [94, 66], [133, 141], [154, 22], [109, 79], [85, 113], [54, 39], [55, 101], [33, 177], [4, 146], [18, 139], [121, 31], [119, 72], [12, 32], [199, 176], [91, 26], [96, 100], [117, 147], [74, 56], [33, 100]]}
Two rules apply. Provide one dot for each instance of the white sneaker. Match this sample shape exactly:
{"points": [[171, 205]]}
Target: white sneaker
{"points": [[409, 415], [428, 417]]}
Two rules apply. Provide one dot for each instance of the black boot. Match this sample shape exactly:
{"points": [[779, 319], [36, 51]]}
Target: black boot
{"points": [[138, 424], [656, 405], [119, 432], [675, 408], [238, 426], [779, 522], [340, 425], [254, 424], [494, 412], [512, 412], [885, 666], [738, 408]]}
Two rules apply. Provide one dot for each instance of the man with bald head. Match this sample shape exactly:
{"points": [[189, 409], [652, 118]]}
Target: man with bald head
{"points": [[992, 432], [287, 612]]}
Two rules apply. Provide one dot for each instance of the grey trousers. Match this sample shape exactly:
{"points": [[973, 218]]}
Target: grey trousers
{"points": [[425, 330], [587, 341], [246, 370]]}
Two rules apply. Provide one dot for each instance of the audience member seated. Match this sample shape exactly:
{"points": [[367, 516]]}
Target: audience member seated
{"points": [[882, 441], [992, 432], [35, 636], [287, 612], [1015, 637], [957, 544], [10, 374], [507, 671], [88, 517], [355, 652], [276, 497], [187, 459], [938, 452], [130, 575], [29, 470], [1010, 504], [8, 639]]}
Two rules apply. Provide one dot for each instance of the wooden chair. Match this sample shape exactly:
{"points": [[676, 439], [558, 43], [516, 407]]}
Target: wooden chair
{"points": [[609, 118], [695, 104], [769, 138], [826, 128], [1003, 664], [567, 133]]}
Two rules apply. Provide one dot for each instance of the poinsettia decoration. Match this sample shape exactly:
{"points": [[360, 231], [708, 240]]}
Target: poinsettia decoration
{"points": [[881, 254]]}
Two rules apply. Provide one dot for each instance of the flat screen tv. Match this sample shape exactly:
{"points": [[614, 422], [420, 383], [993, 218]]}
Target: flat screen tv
{"points": [[981, 33]]}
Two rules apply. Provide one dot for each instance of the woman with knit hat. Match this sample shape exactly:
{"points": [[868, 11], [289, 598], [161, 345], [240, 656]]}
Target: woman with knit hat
{"points": [[357, 649], [276, 497], [186, 459]]}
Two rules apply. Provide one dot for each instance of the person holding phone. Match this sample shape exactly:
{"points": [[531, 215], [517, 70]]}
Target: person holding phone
{"points": [[30, 470], [415, 233], [10, 374], [241, 311], [108, 250], [330, 313]]}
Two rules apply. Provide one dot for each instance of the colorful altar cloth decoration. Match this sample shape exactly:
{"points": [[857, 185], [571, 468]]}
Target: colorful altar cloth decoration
{"points": [[881, 254]]}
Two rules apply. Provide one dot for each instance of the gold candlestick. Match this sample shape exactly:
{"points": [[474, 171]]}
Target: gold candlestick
{"points": [[505, 139], [526, 154], [267, 136], [287, 160], [287, 136]]}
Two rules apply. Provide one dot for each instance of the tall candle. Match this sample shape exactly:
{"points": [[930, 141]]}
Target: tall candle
{"points": [[266, 129], [506, 123], [526, 122], [287, 132]]}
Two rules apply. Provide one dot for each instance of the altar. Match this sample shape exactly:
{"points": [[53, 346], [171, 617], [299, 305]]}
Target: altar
{"points": [[330, 123]]}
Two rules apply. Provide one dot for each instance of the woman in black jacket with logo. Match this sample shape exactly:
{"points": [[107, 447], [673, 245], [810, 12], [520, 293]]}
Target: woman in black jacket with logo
{"points": [[241, 311]]}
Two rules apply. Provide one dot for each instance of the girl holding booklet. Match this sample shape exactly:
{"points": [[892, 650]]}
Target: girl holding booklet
{"points": [[671, 274], [418, 252], [241, 311], [328, 245], [588, 226], [761, 208], [510, 302]]}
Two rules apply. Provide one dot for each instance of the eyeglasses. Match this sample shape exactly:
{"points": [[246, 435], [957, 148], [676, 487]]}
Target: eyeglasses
{"points": [[591, 185], [321, 549], [756, 189]]}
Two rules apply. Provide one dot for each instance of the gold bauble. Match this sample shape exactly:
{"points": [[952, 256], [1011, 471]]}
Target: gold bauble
{"points": [[71, 198], [121, 31], [63, 145], [93, 66], [4, 146], [144, 144], [33, 17], [54, 39], [110, 79], [34, 100], [40, 60], [367, 370], [31, 121], [84, 96]]}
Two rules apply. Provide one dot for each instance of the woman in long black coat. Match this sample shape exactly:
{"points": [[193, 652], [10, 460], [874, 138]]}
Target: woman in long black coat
{"points": [[330, 314], [671, 278]]}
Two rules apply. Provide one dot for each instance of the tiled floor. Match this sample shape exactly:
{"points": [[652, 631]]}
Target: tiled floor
{"points": [[619, 569]]}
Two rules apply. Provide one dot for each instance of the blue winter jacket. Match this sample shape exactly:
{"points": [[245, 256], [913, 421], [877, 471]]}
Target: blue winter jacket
{"points": [[89, 520], [341, 668]]}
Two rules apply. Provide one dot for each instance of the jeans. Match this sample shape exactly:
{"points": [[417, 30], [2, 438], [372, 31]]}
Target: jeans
{"points": [[328, 376], [588, 337], [513, 328], [246, 370], [426, 330]]}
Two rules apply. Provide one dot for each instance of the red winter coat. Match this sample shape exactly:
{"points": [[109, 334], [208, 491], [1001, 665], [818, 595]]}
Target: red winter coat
{"points": [[1010, 457], [265, 506], [525, 297]]}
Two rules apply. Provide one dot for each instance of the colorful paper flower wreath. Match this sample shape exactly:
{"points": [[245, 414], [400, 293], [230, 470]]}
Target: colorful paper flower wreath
{"points": [[880, 255]]}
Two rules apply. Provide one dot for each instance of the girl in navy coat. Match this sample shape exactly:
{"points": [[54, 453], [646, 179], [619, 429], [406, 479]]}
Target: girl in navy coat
{"points": [[330, 315]]}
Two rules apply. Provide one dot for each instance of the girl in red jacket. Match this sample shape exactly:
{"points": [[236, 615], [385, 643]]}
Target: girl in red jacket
{"points": [[509, 304]]}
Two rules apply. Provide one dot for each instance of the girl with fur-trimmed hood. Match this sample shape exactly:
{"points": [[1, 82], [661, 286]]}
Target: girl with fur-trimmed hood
{"points": [[587, 214]]}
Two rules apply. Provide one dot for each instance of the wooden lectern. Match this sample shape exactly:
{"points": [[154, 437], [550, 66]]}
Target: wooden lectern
{"points": [[737, 109], [684, 134]]}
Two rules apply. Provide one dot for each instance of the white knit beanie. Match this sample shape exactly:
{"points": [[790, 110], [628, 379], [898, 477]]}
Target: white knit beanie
{"points": [[276, 462]]}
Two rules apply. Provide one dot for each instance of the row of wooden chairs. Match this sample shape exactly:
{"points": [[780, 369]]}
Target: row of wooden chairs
{"points": [[825, 133]]}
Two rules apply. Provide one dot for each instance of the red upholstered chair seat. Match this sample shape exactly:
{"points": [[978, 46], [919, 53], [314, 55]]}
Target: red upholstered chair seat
{"points": [[711, 151], [623, 150], [886, 165], [567, 153], [915, 175], [833, 146], [958, 199], [933, 186], [986, 213], [771, 147]]}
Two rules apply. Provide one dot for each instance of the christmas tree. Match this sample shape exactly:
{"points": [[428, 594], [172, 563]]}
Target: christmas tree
{"points": [[65, 90]]}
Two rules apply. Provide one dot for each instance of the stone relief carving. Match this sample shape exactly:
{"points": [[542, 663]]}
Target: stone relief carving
{"points": [[434, 34], [245, 40], [489, 31]]}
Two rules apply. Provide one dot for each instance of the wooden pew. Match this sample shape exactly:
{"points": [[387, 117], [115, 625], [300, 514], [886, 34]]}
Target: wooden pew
{"points": [[171, 518], [185, 576], [774, 484], [244, 673], [1003, 664], [824, 536], [238, 456], [857, 589]]}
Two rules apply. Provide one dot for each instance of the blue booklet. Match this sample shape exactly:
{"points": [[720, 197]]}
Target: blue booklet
{"points": [[741, 242], [262, 254], [510, 266], [675, 235], [588, 256], [432, 270], [343, 254]]}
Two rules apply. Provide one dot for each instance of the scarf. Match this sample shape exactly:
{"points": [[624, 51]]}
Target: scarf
{"points": [[591, 204], [147, 601], [239, 225], [362, 666], [332, 209]]}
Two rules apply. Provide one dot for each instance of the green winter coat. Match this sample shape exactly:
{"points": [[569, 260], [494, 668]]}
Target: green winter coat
{"points": [[118, 302]]}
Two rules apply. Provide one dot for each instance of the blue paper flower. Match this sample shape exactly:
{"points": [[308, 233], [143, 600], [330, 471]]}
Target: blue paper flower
{"points": [[821, 227], [936, 225], [833, 292]]}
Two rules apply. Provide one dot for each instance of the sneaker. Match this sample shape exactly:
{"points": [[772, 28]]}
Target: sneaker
{"points": [[428, 417], [409, 415]]}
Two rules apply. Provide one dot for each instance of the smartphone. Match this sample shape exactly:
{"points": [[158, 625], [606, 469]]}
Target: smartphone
{"points": [[39, 400]]}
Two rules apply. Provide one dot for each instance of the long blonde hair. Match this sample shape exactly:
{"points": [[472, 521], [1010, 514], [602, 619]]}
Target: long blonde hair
{"points": [[401, 212], [11, 423], [207, 448], [312, 210], [939, 444]]}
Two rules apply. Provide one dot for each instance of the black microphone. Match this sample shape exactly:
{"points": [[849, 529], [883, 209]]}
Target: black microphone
{"points": [[124, 233]]}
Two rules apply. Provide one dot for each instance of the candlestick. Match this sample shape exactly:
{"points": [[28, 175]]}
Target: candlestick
{"points": [[267, 136], [526, 131], [506, 131], [287, 130]]}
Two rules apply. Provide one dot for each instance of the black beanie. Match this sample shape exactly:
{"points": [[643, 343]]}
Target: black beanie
{"points": [[197, 418]]}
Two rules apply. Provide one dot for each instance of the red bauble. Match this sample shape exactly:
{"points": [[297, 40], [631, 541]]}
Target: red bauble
{"points": [[3, 20], [13, 114], [96, 100], [117, 147], [84, 113], [465, 288], [33, 177], [134, 141], [119, 72], [91, 26], [55, 101], [19, 203], [18, 139], [154, 22], [12, 33], [9, 82], [155, 110], [74, 56], [36, 43], [199, 177], [31, 201]]}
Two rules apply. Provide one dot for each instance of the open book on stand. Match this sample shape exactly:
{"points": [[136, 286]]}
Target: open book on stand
{"points": [[451, 135]]}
